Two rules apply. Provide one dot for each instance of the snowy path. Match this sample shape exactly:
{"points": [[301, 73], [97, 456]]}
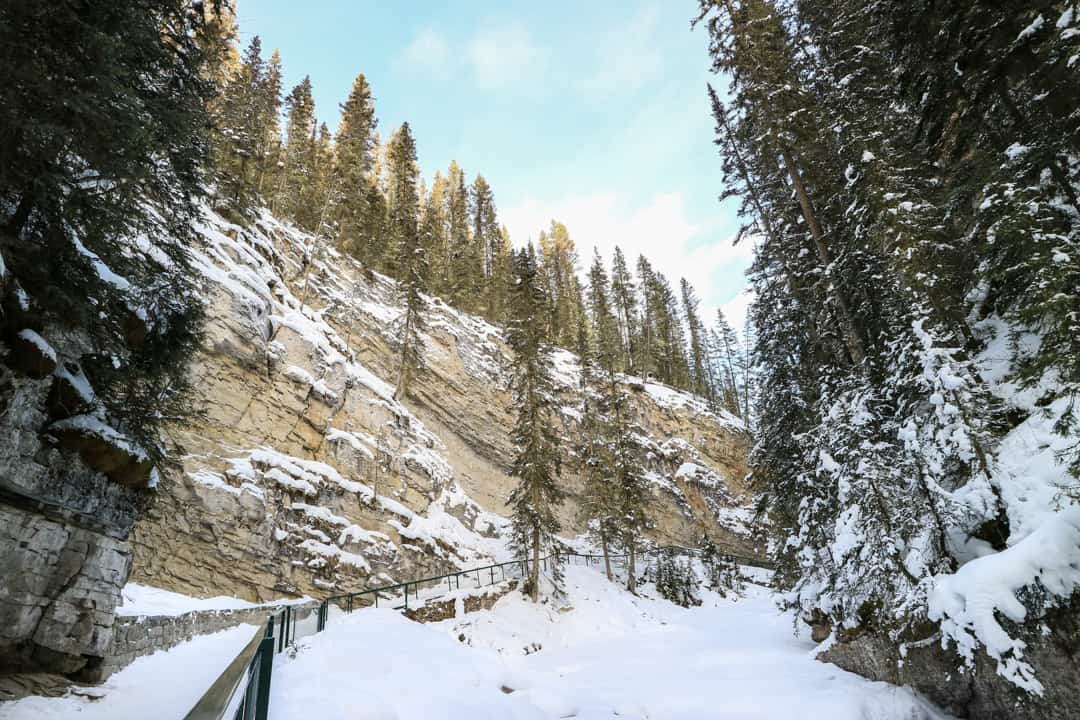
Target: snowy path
{"points": [[613, 655], [162, 685]]}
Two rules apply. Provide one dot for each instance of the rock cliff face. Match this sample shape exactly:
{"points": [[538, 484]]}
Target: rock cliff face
{"points": [[306, 476], [302, 474]]}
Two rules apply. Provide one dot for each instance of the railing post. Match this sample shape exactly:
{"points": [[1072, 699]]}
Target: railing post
{"points": [[492, 574], [406, 596], [266, 667]]}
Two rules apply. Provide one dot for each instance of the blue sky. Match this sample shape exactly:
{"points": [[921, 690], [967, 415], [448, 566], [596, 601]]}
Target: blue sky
{"points": [[593, 113]]}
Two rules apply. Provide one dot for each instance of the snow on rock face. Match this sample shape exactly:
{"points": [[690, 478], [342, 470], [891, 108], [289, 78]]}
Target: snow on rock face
{"points": [[308, 475]]}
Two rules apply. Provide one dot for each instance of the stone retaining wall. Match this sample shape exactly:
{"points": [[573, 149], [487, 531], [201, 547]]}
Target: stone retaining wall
{"points": [[138, 635], [437, 610]]}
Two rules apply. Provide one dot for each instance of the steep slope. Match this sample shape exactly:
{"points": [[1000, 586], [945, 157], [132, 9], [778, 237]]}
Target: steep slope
{"points": [[305, 475]]}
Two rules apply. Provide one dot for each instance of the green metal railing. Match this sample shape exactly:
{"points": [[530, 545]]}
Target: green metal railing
{"points": [[397, 594], [242, 691]]}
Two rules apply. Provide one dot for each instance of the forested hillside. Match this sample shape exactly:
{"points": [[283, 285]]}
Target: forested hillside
{"points": [[249, 346], [909, 173], [364, 194]]}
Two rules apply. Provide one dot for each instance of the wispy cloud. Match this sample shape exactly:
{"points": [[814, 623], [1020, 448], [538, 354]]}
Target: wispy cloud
{"points": [[659, 228], [626, 58], [503, 58], [428, 51]]}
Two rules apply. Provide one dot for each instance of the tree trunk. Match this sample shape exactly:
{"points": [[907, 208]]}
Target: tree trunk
{"points": [[607, 558], [21, 215], [631, 579], [534, 573], [851, 334]]}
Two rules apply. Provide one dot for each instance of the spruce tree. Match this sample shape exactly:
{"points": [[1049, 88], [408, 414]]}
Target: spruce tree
{"points": [[487, 245], [600, 498], [411, 262], [536, 466], [298, 158], [103, 139], [700, 381], [268, 146], [354, 161], [624, 299], [460, 249], [238, 131]]}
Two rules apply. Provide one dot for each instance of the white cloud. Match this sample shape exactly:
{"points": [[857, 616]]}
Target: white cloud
{"points": [[495, 57], [428, 51], [659, 229], [503, 57], [626, 58]]}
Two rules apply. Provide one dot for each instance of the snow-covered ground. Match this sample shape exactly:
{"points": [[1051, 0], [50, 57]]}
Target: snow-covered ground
{"points": [[609, 655], [162, 685], [145, 600]]}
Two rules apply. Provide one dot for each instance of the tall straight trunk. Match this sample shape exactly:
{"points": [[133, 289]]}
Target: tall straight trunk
{"points": [[847, 320], [631, 579], [534, 574], [607, 558]]}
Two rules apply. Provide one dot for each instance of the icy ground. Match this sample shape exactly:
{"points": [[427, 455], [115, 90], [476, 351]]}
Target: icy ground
{"points": [[611, 656], [162, 685]]}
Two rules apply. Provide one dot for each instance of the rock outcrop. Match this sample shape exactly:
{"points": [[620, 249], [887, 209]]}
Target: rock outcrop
{"points": [[302, 474]]}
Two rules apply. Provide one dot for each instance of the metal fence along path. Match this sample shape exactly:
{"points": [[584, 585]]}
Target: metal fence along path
{"points": [[242, 691]]}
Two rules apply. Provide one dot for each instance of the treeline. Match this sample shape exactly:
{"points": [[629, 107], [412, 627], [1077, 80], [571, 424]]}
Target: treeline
{"points": [[910, 170], [365, 196]]}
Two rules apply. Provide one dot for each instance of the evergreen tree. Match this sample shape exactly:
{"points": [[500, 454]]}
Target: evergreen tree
{"points": [[730, 363], [460, 268], [354, 161], [268, 146], [103, 139], [239, 131], [558, 268], [867, 172], [624, 299], [604, 323], [536, 460], [700, 381], [298, 158], [487, 243], [500, 274], [600, 497], [411, 263]]}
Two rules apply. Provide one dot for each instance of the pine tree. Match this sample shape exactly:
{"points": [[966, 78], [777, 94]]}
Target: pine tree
{"points": [[354, 161], [872, 421], [460, 269], [239, 131], [487, 244], [624, 299], [268, 146], [536, 460], [730, 362], [103, 138], [604, 324], [500, 274], [298, 159], [600, 498], [411, 262], [558, 267], [700, 381]]}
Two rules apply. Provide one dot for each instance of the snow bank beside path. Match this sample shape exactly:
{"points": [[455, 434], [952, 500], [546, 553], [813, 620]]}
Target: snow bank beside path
{"points": [[612, 655], [163, 685], [145, 600]]}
